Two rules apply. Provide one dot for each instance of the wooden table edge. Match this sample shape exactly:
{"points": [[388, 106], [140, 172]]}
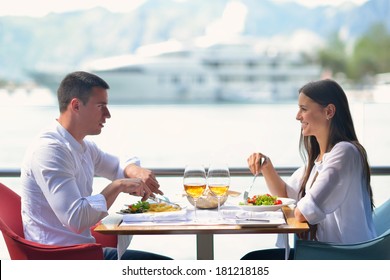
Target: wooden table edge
{"points": [[111, 226]]}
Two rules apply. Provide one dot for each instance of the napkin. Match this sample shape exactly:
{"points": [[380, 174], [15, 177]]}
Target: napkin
{"points": [[123, 243], [157, 217], [242, 214]]}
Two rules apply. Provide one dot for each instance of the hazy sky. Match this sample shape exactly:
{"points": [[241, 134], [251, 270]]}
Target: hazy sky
{"points": [[43, 7]]}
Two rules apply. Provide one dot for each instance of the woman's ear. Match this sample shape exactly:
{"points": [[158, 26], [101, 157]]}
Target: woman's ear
{"points": [[330, 111]]}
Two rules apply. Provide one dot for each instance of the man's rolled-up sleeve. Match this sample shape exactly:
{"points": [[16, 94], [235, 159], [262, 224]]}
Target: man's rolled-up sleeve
{"points": [[97, 202]]}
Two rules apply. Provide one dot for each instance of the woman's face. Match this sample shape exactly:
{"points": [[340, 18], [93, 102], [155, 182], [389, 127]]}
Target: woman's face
{"points": [[313, 117]]}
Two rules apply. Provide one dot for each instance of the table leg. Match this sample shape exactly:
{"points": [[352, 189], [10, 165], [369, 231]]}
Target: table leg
{"points": [[205, 246], [287, 246]]}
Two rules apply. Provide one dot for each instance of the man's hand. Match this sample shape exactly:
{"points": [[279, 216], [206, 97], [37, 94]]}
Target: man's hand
{"points": [[146, 175], [132, 186]]}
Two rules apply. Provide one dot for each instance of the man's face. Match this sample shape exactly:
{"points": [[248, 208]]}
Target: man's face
{"points": [[93, 115]]}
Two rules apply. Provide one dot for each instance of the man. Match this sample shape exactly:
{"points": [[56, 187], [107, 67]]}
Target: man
{"points": [[57, 173]]}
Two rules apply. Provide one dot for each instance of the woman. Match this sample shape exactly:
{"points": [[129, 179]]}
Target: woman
{"points": [[333, 188]]}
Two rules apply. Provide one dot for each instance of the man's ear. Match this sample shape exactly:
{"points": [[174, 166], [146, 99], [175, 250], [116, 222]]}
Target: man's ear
{"points": [[75, 104]]}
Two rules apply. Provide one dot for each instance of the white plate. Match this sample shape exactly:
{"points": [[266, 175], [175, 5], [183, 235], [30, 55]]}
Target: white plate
{"points": [[260, 208]]}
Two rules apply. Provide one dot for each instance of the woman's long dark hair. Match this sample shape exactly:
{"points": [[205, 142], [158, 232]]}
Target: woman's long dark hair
{"points": [[325, 92]]}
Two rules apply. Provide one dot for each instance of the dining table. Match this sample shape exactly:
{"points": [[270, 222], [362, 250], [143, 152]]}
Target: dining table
{"points": [[112, 224]]}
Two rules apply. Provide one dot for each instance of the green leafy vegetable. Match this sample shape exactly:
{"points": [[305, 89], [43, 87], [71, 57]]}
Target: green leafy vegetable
{"points": [[139, 207], [265, 199]]}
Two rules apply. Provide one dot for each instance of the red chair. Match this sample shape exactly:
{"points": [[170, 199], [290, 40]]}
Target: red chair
{"points": [[107, 240], [21, 249]]}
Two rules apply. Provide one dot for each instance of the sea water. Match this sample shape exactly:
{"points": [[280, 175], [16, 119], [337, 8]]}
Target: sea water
{"points": [[173, 135]]}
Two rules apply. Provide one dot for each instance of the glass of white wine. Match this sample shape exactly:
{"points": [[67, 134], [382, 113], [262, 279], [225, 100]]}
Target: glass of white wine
{"points": [[218, 181], [194, 180]]}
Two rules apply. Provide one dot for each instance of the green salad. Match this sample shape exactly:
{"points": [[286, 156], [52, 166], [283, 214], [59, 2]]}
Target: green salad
{"points": [[139, 207], [263, 199]]}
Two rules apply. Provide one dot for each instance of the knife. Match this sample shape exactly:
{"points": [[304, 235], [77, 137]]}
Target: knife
{"points": [[253, 219]]}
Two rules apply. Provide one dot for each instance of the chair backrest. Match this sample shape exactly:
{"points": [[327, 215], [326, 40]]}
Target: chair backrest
{"points": [[11, 226], [10, 213], [375, 249], [106, 240], [381, 217], [10, 209], [22, 249]]}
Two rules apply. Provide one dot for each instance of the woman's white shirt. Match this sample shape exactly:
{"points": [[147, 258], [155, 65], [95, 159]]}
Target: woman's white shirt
{"points": [[337, 200]]}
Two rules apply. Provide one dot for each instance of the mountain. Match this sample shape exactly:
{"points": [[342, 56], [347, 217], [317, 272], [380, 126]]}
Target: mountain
{"points": [[65, 40]]}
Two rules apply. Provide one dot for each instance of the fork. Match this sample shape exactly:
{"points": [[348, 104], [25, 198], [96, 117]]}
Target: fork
{"points": [[164, 200], [246, 193]]}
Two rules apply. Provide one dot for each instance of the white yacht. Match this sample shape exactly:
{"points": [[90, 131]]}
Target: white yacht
{"points": [[221, 66], [177, 72]]}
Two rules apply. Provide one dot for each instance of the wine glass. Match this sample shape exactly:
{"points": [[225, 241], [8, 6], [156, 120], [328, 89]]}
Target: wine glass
{"points": [[194, 181], [218, 180]]}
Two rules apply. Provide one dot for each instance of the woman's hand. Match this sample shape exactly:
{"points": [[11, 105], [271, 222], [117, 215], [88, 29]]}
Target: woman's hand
{"points": [[256, 162]]}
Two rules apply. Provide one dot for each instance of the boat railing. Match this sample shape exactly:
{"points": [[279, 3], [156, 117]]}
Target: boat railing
{"points": [[234, 171]]}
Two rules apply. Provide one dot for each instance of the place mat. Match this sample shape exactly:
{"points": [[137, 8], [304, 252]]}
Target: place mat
{"points": [[243, 214], [254, 219], [206, 217], [156, 216]]}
